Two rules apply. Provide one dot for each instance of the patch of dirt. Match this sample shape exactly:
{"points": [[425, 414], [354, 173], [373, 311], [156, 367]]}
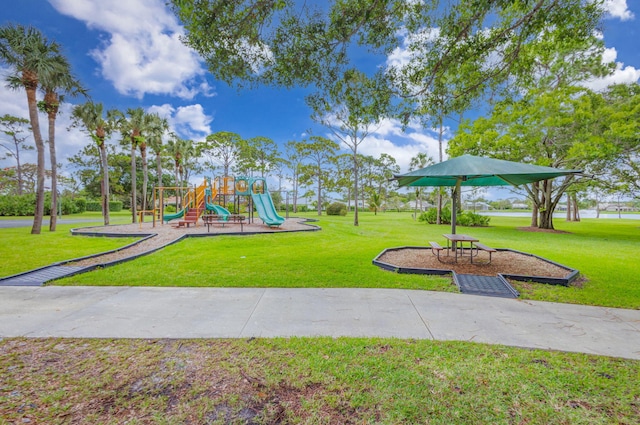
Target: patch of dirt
{"points": [[505, 262], [537, 229]]}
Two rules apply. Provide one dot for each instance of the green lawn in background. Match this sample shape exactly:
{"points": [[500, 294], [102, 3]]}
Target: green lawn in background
{"points": [[21, 251], [340, 255]]}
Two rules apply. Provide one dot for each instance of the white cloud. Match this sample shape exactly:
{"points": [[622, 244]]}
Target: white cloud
{"points": [[142, 53], [189, 121], [618, 9], [68, 142], [621, 75], [402, 144]]}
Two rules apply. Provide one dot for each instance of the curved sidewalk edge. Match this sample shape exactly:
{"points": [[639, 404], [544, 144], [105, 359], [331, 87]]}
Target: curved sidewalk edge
{"points": [[137, 312]]}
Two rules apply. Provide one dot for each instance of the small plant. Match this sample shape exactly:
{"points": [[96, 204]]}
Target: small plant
{"points": [[471, 219], [115, 206], [465, 218], [94, 206], [431, 215], [337, 208]]}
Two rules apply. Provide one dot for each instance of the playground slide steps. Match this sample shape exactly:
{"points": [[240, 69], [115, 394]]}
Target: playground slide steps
{"points": [[192, 216]]}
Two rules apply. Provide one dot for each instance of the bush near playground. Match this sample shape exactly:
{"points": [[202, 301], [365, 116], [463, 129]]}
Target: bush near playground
{"points": [[465, 218]]}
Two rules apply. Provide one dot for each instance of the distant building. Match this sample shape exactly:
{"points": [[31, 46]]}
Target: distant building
{"points": [[616, 207], [475, 206]]}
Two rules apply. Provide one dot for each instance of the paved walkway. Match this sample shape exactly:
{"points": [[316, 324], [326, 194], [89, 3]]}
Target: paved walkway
{"points": [[136, 312]]}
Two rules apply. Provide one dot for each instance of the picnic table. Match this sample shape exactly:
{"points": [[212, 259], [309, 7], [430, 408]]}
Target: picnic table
{"points": [[457, 243], [211, 219]]}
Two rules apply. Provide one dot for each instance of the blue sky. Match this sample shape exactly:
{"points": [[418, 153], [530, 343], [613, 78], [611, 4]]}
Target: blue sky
{"points": [[127, 53]]}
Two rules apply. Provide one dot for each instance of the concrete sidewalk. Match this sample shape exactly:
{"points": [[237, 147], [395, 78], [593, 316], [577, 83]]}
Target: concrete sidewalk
{"points": [[136, 312]]}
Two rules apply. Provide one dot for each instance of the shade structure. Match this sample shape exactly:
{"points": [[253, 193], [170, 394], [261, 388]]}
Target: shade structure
{"points": [[469, 170]]}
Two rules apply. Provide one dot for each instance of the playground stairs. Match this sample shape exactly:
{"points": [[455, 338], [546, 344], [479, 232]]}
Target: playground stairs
{"points": [[192, 216], [197, 198]]}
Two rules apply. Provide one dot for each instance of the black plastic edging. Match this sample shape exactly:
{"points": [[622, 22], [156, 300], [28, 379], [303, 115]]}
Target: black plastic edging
{"points": [[511, 289], [538, 279], [146, 236]]}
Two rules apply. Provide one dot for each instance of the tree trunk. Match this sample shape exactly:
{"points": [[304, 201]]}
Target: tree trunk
{"points": [[53, 218], [439, 212], [105, 183], [145, 175], [546, 214], [355, 186], [569, 216], [535, 190], [319, 192], [575, 210], [19, 170], [37, 137], [295, 194], [179, 191], [134, 184]]}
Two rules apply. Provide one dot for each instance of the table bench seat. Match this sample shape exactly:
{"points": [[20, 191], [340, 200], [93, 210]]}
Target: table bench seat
{"points": [[436, 248], [483, 247]]}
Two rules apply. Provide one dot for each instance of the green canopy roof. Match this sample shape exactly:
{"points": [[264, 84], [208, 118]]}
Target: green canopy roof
{"points": [[472, 170]]}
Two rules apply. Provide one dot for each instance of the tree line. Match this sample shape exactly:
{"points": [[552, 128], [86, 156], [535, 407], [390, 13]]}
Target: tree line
{"points": [[528, 61]]}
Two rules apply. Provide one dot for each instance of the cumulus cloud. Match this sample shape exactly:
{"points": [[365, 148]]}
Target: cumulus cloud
{"points": [[618, 9], [402, 144], [189, 122], [621, 75], [142, 52], [68, 142]]}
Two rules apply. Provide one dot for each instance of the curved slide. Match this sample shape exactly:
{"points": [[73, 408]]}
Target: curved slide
{"points": [[217, 209], [266, 209], [168, 217]]}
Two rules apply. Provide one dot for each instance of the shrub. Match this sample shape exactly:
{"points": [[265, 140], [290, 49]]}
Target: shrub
{"points": [[464, 218], [115, 206], [17, 205], [431, 216], [94, 206], [81, 205], [471, 219], [337, 208]]}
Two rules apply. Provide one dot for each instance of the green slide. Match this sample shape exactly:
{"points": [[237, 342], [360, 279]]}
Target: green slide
{"points": [[266, 209], [217, 209], [168, 217]]}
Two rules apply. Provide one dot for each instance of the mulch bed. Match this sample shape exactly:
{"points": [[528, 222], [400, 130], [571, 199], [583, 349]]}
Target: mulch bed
{"points": [[505, 262]]}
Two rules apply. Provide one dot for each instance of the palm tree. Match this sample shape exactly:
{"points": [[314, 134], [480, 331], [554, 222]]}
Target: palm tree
{"points": [[55, 85], [375, 201], [31, 56], [421, 160], [90, 116], [157, 128], [179, 149], [132, 129]]}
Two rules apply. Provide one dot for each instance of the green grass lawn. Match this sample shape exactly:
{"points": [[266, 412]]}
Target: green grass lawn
{"points": [[324, 380], [309, 381], [605, 252], [21, 251]]}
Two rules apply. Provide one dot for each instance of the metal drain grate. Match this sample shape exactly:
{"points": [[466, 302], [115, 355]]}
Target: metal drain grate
{"points": [[39, 277], [485, 285]]}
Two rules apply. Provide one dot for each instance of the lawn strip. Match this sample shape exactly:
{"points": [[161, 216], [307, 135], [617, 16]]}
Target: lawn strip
{"points": [[309, 380]]}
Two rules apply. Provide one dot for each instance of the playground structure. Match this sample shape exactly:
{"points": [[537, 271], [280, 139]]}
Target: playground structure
{"points": [[209, 197]]}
